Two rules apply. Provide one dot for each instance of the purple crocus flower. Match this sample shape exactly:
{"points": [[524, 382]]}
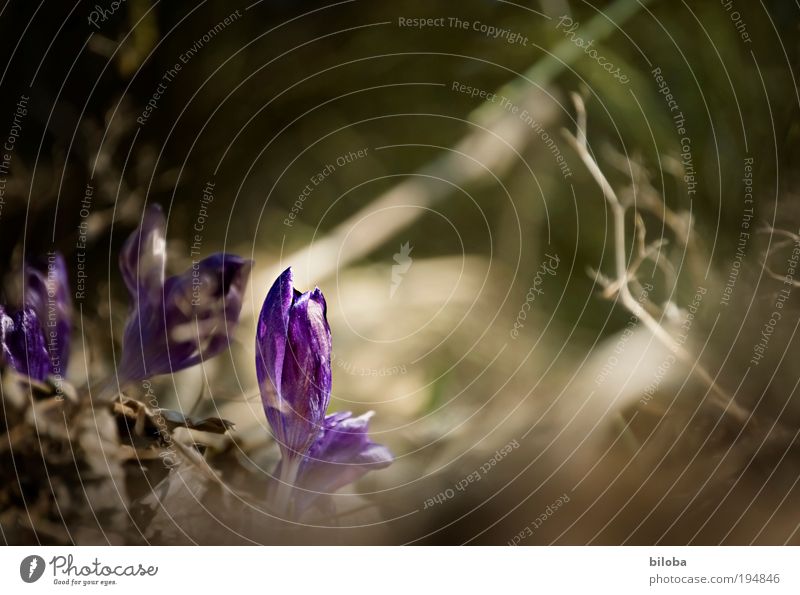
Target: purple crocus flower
{"points": [[177, 322], [47, 293], [23, 343], [293, 364]]}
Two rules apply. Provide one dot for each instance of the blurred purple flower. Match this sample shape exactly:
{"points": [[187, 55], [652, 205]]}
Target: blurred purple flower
{"points": [[47, 293], [293, 364], [35, 338], [23, 343], [183, 320]]}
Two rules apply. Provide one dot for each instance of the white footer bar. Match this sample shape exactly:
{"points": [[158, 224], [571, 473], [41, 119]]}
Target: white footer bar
{"points": [[390, 570]]}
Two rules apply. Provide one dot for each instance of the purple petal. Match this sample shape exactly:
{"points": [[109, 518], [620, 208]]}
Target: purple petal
{"points": [[293, 364], [23, 343], [144, 256], [273, 323], [190, 320], [342, 454], [47, 292]]}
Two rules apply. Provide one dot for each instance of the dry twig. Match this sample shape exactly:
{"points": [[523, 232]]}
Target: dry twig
{"points": [[625, 272]]}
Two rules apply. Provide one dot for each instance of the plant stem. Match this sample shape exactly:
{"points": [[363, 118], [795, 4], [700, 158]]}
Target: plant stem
{"points": [[289, 469]]}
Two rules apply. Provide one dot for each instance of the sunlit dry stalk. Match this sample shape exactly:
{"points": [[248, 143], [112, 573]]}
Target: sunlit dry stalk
{"points": [[625, 273]]}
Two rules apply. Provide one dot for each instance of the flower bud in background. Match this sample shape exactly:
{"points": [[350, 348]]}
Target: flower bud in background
{"points": [[183, 320], [23, 343], [293, 364], [47, 293], [35, 338]]}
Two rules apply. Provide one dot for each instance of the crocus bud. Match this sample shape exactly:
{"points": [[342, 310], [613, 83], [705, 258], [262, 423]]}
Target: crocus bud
{"points": [[23, 343], [47, 293], [183, 320], [293, 364]]}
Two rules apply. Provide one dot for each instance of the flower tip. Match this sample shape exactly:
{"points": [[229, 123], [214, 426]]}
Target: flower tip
{"points": [[317, 296], [286, 276], [281, 295], [153, 219]]}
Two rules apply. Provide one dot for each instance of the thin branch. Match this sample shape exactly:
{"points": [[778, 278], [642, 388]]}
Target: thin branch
{"points": [[623, 273]]}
